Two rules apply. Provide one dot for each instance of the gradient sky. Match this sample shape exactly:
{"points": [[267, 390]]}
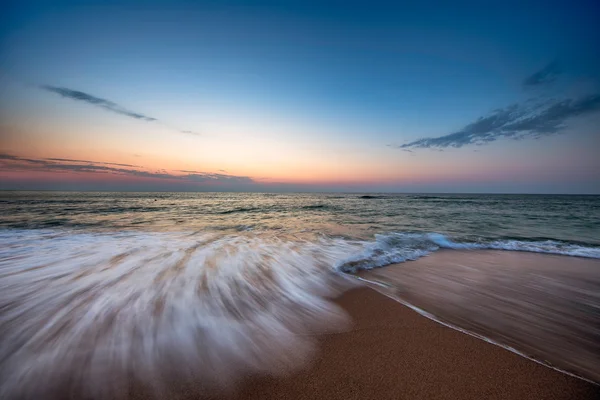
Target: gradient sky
{"points": [[300, 96]]}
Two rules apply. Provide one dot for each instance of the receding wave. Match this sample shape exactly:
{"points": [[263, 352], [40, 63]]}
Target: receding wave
{"points": [[94, 312], [87, 310]]}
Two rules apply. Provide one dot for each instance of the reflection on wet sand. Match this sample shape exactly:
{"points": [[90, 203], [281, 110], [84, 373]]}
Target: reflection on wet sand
{"points": [[546, 306]]}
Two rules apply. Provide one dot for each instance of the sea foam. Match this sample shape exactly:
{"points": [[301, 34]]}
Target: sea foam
{"points": [[94, 313]]}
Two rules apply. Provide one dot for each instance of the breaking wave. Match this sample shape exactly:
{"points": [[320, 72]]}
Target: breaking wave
{"points": [[95, 311], [399, 247], [536, 246]]}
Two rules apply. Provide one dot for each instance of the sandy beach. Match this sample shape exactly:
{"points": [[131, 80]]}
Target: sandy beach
{"points": [[543, 305], [243, 296], [393, 352]]}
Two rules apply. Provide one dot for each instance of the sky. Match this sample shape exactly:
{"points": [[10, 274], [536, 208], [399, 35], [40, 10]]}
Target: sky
{"points": [[492, 97]]}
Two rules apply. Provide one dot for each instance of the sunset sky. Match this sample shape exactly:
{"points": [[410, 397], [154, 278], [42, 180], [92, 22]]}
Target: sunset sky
{"points": [[300, 96]]}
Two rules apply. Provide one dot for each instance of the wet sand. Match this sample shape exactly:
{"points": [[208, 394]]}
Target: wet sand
{"points": [[393, 352], [545, 306]]}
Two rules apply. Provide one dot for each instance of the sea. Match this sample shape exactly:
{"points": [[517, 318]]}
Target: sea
{"points": [[101, 289]]}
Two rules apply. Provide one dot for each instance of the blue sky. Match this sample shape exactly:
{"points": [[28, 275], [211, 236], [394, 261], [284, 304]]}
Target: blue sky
{"points": [[309, 95]]}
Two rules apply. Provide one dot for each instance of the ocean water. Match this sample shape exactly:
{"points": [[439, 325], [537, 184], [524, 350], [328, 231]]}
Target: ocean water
{"points": [[99, 290]]}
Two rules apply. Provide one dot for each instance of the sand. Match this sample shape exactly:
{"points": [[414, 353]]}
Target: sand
{"points": [[546, 306], [394, 353]]}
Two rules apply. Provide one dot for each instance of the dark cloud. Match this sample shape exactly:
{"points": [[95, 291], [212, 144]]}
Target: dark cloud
{"points": [[15, 163], [94, 162], [106, 104], [517, 121], [535, 117], [96, 101], [546, 75]]}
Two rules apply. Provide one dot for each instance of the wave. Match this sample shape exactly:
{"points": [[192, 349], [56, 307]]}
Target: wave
{"points": [[94, 308], [240, 210], [319, 207], [87, 311], [425, 197], [276, 209], [548, 246], [395, 248]]}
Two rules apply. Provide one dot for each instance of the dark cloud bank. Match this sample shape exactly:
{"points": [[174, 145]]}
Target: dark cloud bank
{"points": [[16, 163], [103, 103], [531, 119]]}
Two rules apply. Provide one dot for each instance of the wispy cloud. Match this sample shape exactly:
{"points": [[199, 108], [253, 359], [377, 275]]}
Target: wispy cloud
{"points": [[96, 101], [105, 104], [546, 75], [16, 163], [93, 162], [534, 118], [190, 133]]}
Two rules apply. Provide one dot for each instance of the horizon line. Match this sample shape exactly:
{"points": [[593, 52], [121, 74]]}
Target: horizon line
{"points": [[300, 192]]}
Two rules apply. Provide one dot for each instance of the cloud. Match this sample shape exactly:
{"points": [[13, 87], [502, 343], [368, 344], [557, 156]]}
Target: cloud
{"points": [[190, 133], [15, 163], [517, 121], [546, 75], [96, 101], [94, 162], [533, 118], [105, 104], [205, 177]]}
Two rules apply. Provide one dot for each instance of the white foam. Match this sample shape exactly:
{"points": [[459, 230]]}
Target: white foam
{"points": [[394, 248], [545, 246], [87, 311], [90, 309]]}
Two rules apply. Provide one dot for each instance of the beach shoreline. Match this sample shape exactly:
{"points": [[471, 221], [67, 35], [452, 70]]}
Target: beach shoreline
{"points": [[392, 352], [539, 306]]}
